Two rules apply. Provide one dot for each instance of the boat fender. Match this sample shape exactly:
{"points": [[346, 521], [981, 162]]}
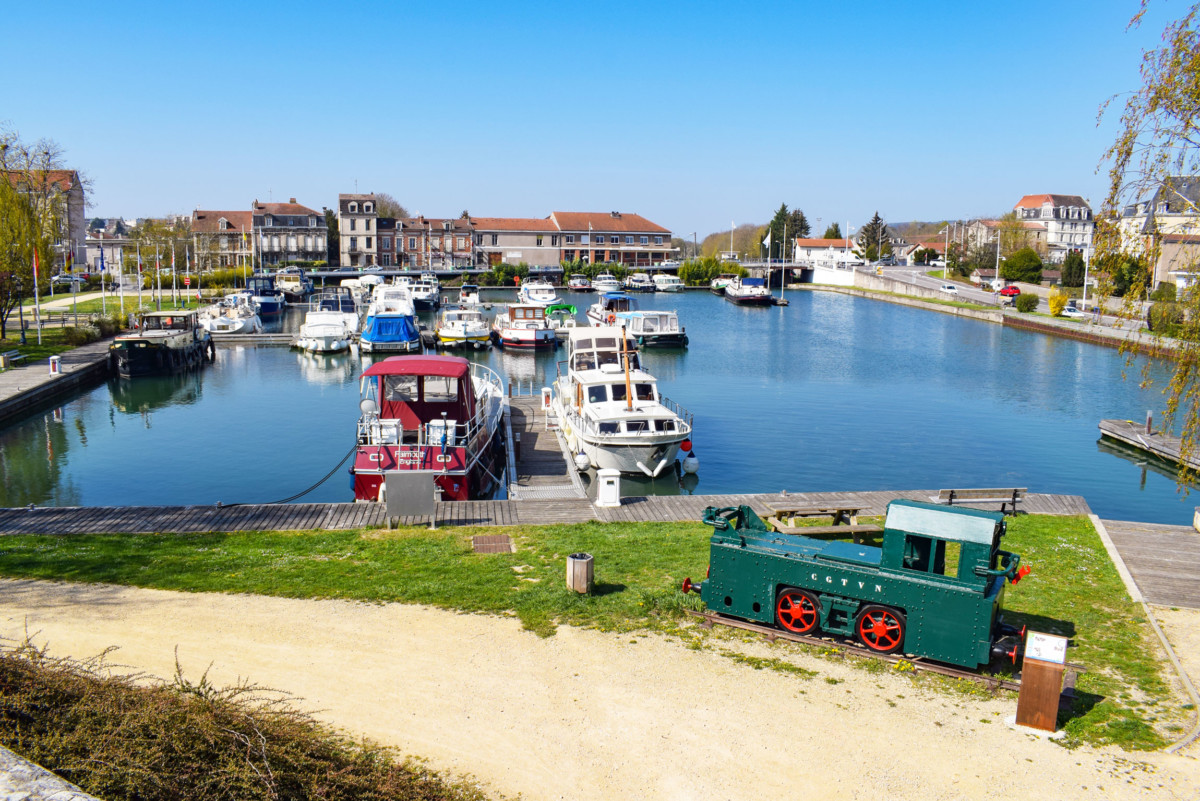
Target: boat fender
{"points": [[690, 463], [641, 342], [212, 351], [582, 462]]}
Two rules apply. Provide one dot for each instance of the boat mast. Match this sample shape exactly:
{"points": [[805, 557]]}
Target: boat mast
{"points": [[628, 385]]}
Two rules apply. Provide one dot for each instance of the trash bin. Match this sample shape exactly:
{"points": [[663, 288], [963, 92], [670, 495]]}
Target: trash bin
{"points": [[580, 572], [608, 491], [55, 365]]}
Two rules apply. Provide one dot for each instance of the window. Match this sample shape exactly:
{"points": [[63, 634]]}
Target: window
{"points": [[664, 425], [291, 244], [644, 392], [608, 428], [596, 394], [618, 392], [629, 240], [658, 240], [570, 239], [223, 225], [440, 389], [312, 222], [224, 243], [553, 240], [569, 255], [400, 388], [366, 208], [645, 240], [353, 243], [353, 223], [386, 259], [368, 243], [614, 240], [268, 221], [412, 243], [583, 239], [353, 208], [636, 426], [385, 242], [539, 240], [320, 243], [495, 238]]}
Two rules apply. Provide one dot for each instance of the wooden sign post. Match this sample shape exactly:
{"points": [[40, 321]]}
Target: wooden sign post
{"points": [[1041, 681]]}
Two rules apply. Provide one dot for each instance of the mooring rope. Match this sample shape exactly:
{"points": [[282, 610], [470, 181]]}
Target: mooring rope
{"points": [[298, 494]]}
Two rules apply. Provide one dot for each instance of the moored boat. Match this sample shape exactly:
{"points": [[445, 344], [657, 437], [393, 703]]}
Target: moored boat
{"points": [[609, 409], [164, 342], [579, 283], [463, 328], [749, 292], [294, 284], [639, 282], [561, 316], [234, 314], [654, 329], [390, 323], [269, 298], [606, 308], [426, 294], [325, 331], [468, 295], [606, 282], [718, 284], [667, 282], [537, 292], [437, 414], [523, 326]]}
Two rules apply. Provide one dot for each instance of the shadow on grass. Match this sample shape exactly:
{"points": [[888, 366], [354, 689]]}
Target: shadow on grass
{"points": [[604, 588]]}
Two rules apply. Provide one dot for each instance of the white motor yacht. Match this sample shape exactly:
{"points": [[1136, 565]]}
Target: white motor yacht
{"points": [[606, 282], [538, 292], [666, 282], [609, 408]]}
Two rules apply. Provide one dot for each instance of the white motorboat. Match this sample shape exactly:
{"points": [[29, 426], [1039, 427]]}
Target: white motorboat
{"points": [[426, 294], [609, 408], [749, 292], [561, 316], [639, 282], [605, 310], [538, 292], [654, 329], [463, 328], [579, 283], [468, 295], [523, 326], [234, 314], [325, 332], [718, 284], [606, 282], [666, 282]]}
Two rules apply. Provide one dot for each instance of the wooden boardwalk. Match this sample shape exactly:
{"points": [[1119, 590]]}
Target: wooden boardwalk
{"points": [[1163, 560], [333, 516], [538, 467], [1164, 446]]}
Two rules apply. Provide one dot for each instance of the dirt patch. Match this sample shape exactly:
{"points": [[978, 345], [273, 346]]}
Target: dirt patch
{"points": [[589, 714]]}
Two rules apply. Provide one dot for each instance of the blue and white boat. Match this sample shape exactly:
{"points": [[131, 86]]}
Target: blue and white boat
{"points": [[269, 298], [391, 325], [605, 310]]}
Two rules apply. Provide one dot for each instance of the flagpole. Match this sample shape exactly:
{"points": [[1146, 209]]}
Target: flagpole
{"points": [[245, 281], [174, 293], [37, 303], [139, 278], [103, 301], [157, 279], [783, 267], [121, 278]]}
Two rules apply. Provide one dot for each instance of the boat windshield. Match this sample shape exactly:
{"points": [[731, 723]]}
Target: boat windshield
{"points": [[179, 323]]}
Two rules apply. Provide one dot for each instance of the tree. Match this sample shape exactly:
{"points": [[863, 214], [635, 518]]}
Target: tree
{"points": [[798, 225], [833, 232], [96, 224], [924, 255], [1157, 141], [388, 206], [1014, 235], [1072, 269], [333, 252], [1024, 265], [1057, 301], [873, 241], [776, 231]]}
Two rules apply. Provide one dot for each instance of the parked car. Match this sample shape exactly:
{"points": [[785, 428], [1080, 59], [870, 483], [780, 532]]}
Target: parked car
{"points": [[67, 279], [1010, 291], [372, 268], [950, 288], [1074, 313]]}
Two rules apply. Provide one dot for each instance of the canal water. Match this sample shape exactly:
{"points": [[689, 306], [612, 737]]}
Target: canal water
{"points": [[831, 393]]}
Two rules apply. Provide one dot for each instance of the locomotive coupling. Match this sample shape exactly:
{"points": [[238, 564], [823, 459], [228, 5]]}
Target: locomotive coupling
{"points": [[1010, 648], [688, 586]]}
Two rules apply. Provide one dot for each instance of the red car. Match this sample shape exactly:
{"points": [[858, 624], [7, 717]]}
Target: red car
{"points": [[1010, 291]]}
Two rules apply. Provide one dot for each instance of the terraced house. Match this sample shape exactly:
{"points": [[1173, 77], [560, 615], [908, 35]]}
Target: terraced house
{"points": [[288, 232], [222, 237], [595, 237]]}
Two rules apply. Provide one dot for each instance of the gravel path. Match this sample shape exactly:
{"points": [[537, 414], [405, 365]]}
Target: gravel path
{"points": [[584, 714]]}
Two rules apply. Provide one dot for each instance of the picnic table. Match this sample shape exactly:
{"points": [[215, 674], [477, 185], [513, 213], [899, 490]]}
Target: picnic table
{"points": [[845, 519]]}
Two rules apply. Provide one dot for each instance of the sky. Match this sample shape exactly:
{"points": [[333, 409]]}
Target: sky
{"points": [[693, 114]]}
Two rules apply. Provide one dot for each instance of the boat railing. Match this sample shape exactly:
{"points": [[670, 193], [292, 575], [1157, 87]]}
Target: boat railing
{"points": [[678, 410], [592, 429]]}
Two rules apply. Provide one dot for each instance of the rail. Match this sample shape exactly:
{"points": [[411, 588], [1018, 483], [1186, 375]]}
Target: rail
{"points": [[518, 389]]}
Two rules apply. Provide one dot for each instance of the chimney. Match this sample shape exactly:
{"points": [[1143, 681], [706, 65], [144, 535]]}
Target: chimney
{"points": [[291, 200], [616, 215]]}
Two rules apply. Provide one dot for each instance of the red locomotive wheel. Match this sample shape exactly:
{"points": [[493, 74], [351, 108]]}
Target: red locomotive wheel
{"points": [[797, 611], [880, 628]]}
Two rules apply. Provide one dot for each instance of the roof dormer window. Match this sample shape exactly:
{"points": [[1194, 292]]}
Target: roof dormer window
{"points": [[268, 221], [223, 224], [366, 208], [353, 208]]}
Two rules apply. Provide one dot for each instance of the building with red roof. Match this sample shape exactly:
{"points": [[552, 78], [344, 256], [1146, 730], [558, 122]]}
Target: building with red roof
{"points": [[1066, 219]]}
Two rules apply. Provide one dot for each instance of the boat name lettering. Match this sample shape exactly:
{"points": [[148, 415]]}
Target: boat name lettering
{"points": [[845, 582]]}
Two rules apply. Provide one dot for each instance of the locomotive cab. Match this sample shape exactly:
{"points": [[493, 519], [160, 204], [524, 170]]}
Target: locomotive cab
{"points": [[933, 589]]}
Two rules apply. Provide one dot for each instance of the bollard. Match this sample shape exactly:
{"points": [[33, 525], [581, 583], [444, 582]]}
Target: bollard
{"points": [[580, 572], [608, 492], [55, 365], [1149, 422]]}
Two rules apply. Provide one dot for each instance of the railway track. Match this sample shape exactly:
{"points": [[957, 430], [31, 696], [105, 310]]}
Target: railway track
{"points": [[919, 664]]}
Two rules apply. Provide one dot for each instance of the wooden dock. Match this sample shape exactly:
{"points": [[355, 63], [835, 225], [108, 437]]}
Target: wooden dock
{"points": [[1156, 443], [1162, 559], [538, 465]]}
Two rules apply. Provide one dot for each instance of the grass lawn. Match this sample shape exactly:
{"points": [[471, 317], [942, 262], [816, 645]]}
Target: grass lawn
{"points": [[1074, 590], [53, 342], [113, 304]]}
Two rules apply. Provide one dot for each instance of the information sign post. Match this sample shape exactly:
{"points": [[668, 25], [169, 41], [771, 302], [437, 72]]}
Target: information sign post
{"points": [[1041, 681]]}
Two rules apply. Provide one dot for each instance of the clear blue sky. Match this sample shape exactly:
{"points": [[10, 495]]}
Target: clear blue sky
{"points": [[693, 114]]}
